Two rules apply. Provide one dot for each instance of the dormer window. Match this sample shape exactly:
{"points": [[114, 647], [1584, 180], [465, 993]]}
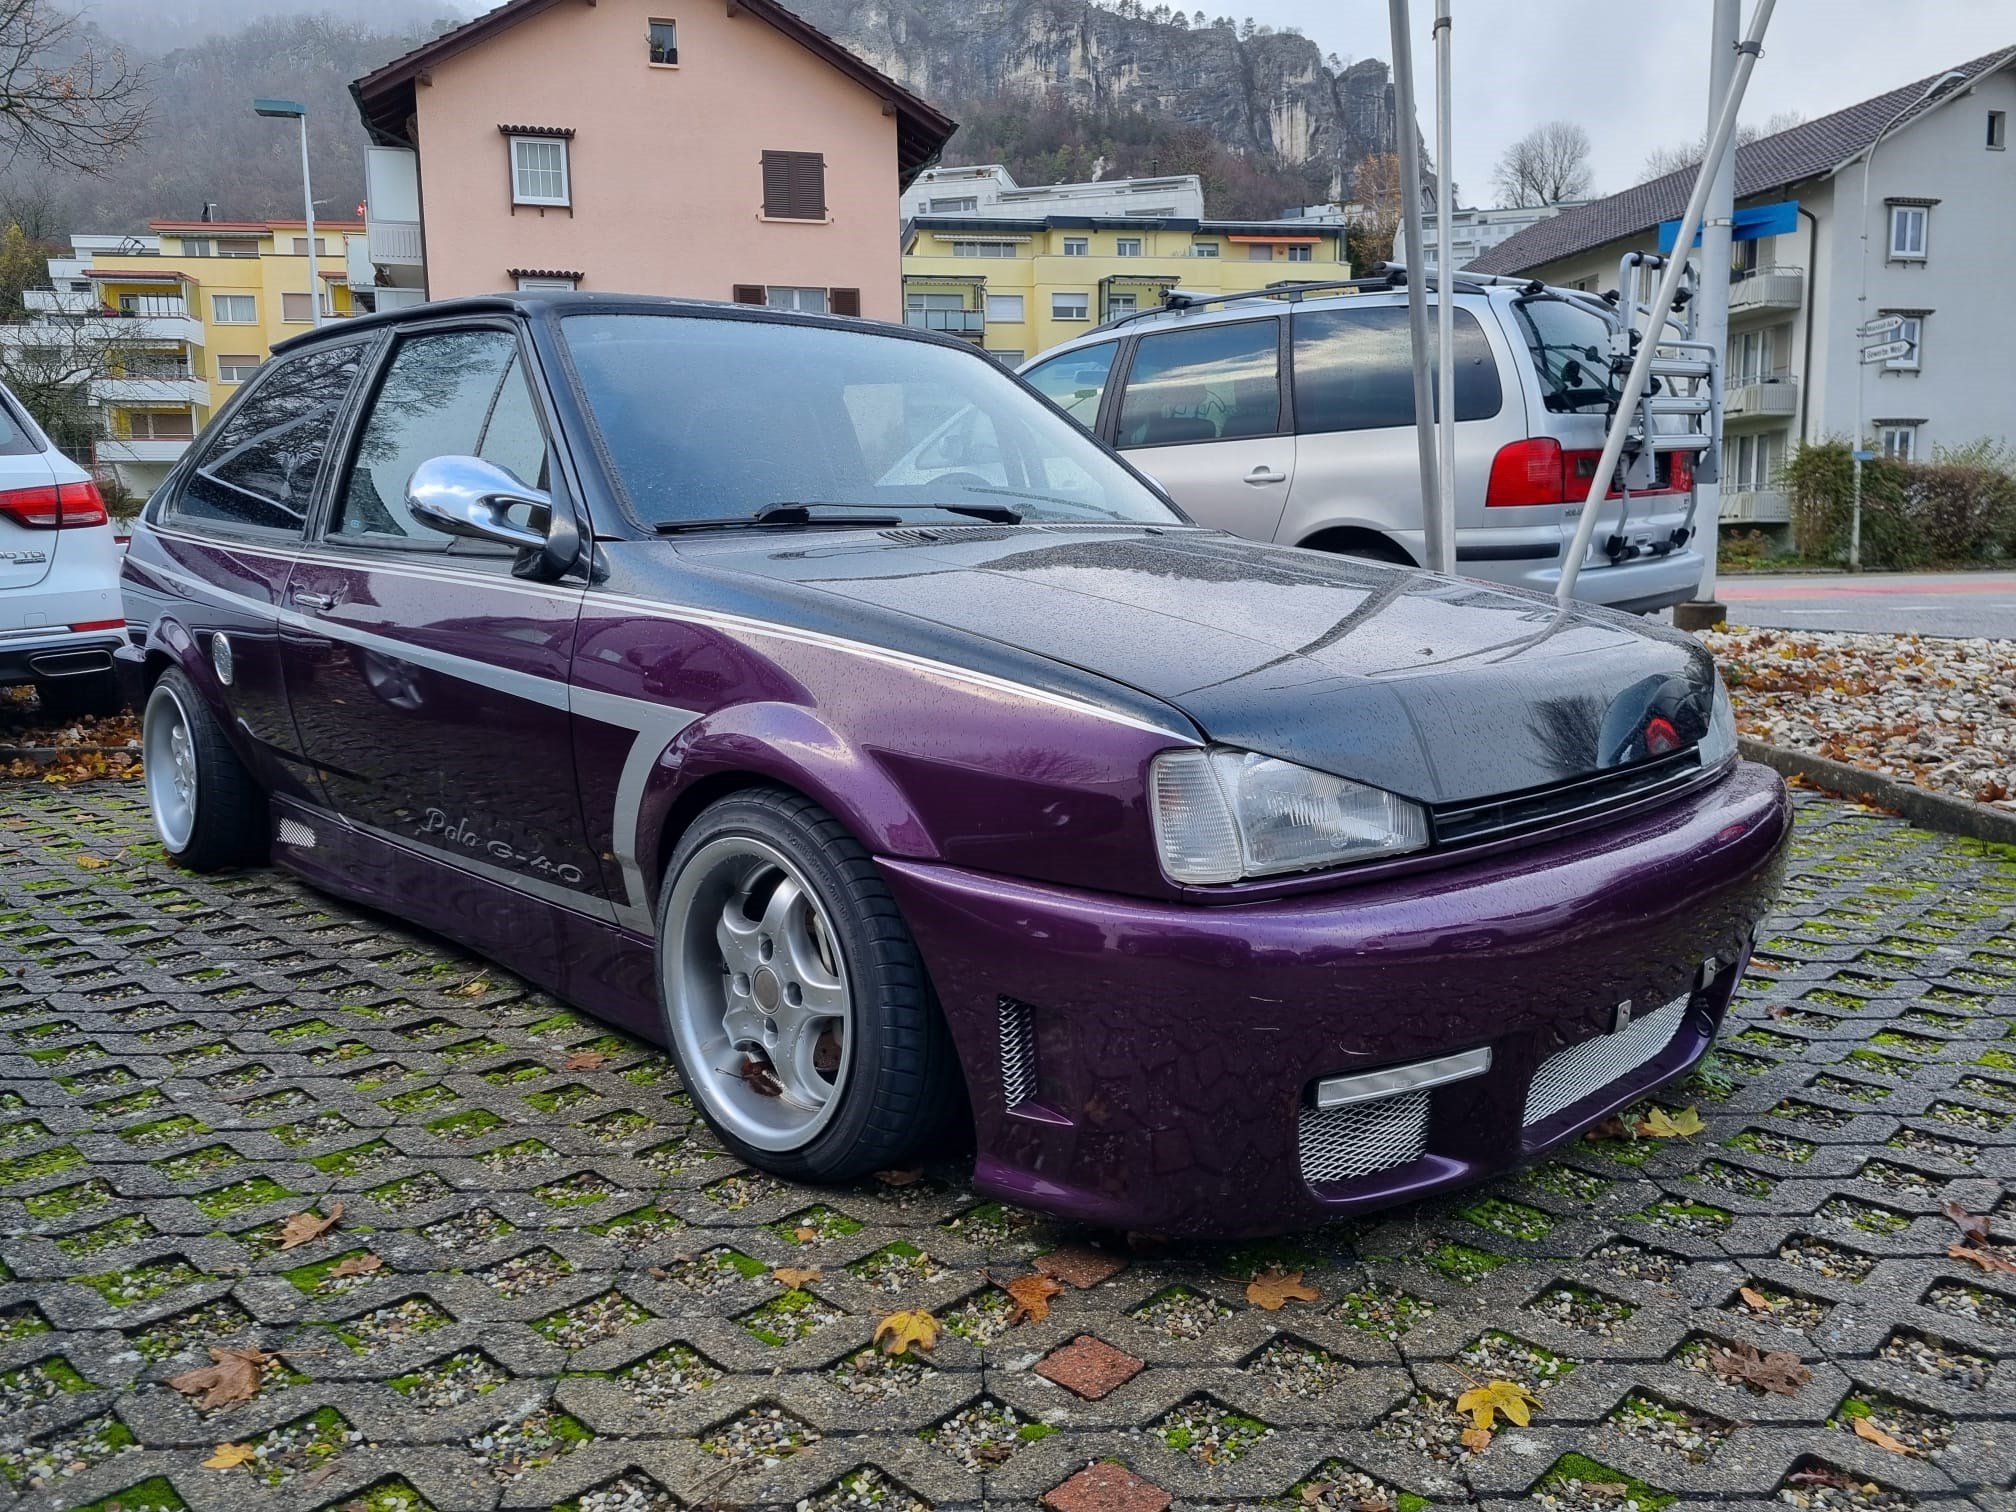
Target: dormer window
{"points": [[663, 42]]}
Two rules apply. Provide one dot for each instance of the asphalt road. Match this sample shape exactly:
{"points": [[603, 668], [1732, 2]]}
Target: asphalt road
{"points": [[1930, 603]]}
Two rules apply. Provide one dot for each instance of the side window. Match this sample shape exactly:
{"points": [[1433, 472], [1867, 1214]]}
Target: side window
{"points": [[259, 469], [1354, 370], [1076, 381], [449, 394], [1213, 383]]}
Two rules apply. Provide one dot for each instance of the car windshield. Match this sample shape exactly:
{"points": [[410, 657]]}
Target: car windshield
{"points": [[1571, 348], [715, 419]]}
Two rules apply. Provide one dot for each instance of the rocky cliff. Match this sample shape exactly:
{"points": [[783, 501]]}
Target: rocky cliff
{"points": [[1272, 97]]}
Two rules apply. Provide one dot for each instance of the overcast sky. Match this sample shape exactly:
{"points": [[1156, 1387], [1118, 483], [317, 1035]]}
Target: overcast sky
{"points": [[1634, 74]]}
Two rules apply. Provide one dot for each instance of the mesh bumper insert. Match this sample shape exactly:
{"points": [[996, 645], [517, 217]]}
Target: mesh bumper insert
{"points": [[1568, 1076], [1337, 1144]]}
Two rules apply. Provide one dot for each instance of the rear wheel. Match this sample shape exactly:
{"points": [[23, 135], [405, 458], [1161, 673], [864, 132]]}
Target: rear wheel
{"points": [[794, 999], [207, 810], [1363, 545], [79, 697]]}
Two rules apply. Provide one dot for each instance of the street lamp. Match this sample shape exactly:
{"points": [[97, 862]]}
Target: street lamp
{"points": [[1932, 91], [294, 110]]}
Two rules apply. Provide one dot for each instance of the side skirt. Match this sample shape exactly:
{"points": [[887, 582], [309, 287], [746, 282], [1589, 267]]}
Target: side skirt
{"points": [[589, 962]]}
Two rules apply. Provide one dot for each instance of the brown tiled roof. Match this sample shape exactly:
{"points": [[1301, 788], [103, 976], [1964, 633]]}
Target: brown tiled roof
{"points": [[1809, 150], [385, 96]]}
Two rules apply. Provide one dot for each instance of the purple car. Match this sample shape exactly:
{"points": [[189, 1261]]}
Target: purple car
{"points": [[816, 699]]}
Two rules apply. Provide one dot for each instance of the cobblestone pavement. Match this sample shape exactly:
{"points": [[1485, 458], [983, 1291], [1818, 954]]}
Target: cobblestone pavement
{"points": [[548, 1289]]}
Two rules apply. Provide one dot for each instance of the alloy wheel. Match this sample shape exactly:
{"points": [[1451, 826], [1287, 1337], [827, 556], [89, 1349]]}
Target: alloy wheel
{"points": [[168, 755]]}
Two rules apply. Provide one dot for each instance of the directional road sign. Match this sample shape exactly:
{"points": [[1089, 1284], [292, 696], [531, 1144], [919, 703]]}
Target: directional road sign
{"points": [[1883, 351], [1883, 325]]}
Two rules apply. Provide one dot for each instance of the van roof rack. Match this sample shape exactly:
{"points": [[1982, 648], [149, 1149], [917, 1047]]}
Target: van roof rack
{"points": [[1383, 278]]}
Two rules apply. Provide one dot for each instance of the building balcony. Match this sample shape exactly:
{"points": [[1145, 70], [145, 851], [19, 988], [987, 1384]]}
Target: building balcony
{"points": [[393, 243], [971, 324], [177, 390], [1755, 506], [1767, 291], [142, 449], [1761, 396]]}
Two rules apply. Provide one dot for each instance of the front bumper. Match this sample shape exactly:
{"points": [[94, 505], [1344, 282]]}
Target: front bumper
{"points": [[1152, 1066]]}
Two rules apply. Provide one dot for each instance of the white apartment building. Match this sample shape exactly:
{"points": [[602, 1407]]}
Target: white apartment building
{"points": [[1472, 233], [1940, 220], [988, 189]]}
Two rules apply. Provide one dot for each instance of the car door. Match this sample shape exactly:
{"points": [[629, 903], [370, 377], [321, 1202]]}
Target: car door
{"points": [[429, 682], [1201, 413]]}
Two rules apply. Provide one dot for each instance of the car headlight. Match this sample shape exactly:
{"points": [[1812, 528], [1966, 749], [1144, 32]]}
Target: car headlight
{"points": [[1718, 744], [1223, 815]]}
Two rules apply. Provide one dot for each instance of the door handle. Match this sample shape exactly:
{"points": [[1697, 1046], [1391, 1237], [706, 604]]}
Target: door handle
{"points": [[1265, 474], [312, 600]]}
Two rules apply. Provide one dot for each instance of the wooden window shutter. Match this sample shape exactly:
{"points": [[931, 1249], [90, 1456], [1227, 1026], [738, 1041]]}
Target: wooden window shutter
{"points": [[751, 294], [794, 185], [843, 301]]}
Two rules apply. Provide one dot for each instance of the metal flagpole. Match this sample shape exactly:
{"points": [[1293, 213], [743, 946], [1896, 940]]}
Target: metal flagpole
{"points": [[1445, 306], [1437, 550], [1662, 302]]}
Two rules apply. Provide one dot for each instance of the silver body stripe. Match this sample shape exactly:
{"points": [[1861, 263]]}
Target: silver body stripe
{"points": [[656, 726]]}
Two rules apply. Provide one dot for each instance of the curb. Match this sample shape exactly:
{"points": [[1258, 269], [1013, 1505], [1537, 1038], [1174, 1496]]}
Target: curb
{"points": [[1926, 809]]}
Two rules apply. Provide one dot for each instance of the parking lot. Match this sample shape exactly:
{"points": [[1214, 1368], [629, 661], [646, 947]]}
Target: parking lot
{"points": [[546, 1288]]}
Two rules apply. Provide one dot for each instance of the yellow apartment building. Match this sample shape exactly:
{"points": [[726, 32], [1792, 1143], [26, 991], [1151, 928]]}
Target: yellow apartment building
{"points": [[195, 307], [1016, 287]]}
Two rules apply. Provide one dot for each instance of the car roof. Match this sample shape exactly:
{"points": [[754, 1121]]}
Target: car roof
{"points": [[543, 303]]}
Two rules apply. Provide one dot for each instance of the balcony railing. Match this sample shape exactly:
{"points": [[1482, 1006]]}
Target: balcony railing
{"points": [[1767, 288], [1754, 506], [972, 324], [393, 242], [1772, 392]]}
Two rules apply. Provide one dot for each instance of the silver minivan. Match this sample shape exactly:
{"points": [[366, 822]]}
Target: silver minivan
{"points": [[1288, 416]]}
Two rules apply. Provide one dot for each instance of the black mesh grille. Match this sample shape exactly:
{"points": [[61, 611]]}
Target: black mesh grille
{"points": [[1537, 808]]}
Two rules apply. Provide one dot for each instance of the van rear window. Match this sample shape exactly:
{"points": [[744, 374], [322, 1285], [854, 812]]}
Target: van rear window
{"points": [[1571, 348], [1354, 369]]}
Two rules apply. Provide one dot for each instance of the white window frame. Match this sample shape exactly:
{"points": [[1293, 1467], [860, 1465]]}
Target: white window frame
{"points": [[1913, 331], [1008, 357], [999, 307], [218, 317], [237, 369], [1079, 306], [1077, 246], [1206, 249], [794, 298], [1122, 303], [519, 196], [1127, 246], [532, 281], [1898, 442], [970, 248], [1301, 253], [1998, 131], [651, 23], [1902, 218], [328, 307]]}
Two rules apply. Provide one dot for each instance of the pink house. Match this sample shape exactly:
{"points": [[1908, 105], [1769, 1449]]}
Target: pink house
{"points": [[719, 149]]}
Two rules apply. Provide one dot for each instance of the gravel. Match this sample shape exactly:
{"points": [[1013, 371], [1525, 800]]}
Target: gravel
{"points": [[387, 1326], [60, 1456], [1580, 1308], [764, 1436], [1286, 1368], [662, 1378], [526, 1273], [1210, 1433], [634, 1492], [1676, 1430], [897, 1268], [874, 1376], [466, 1231], [1499, 1356], [1181, 1313], [1383, 1310], [982, 1436], [451, 1382], [592, 1321], [1824, 1259], [1621, 1257], [1977, 1304], [535, 1440], [1428, 1424], [866, 1487], [1342, 1488], [1941, 1362], [1937, 713], [1853, 1496], [1927, 1432]]}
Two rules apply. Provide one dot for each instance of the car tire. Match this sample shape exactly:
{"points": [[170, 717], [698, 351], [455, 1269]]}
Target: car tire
{"points": [[79, 697], [767, 903], [207, 810]]}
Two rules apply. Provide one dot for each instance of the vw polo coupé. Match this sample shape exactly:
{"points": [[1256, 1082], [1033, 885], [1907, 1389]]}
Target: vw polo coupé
{"points": [[814, 698]]}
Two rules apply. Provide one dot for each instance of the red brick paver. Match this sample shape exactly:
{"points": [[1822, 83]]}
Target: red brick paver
{"points": [[1091, 1367], [1081, 1265], [1106, 1487]]}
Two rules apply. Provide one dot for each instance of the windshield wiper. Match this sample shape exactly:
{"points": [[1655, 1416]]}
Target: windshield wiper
{"points": [[793, 512]]}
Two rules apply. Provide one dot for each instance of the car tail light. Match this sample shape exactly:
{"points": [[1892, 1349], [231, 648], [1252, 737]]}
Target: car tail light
{"points": [[1527, 472], [56, 506], [118, 624], [1680, 477]]}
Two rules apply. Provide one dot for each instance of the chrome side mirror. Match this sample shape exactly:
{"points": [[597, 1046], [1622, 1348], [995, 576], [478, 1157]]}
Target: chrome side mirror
{"points": [[466, 496]]}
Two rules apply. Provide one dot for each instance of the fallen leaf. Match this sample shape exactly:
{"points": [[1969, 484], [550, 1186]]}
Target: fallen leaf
{"points": [[1973, 1226], [1988, 1260], [232, 1376], [1274, 1289], [900, 1178], [474, 987], [1779, 1010], [1613, 1127], [92, 863], [1659, 1124], [1509, 1397], [357, 1265], [1822, 1475], [1032, 1294], [1605, 1488], [229, 1455], [1476, 1440], [897, 1332], [794, 1277], [305, 1226], [586, 1060], [1868, 1430], [1754, 1298], [316, 1477], [1779, 1371], [1991, 791], [758, 1077], [805, 1234]]}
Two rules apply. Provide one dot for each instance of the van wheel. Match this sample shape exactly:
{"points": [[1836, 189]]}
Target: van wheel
{"points": [[1364, 548], [794, 1000], [207, 809], [79, 697]]}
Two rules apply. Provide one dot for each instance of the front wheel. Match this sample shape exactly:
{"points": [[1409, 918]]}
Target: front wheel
{"points": [[207, 809], [794, 999]]}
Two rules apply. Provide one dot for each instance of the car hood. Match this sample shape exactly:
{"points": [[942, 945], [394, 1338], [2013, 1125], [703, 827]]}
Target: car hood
{"points": [[1440, 689]]}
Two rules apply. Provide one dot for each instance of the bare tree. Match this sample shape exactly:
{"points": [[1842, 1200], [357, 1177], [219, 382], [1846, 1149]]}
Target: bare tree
{"points": [[1376, 191], [50, 365], [65, 101], [1546, 166], [1661, 161]]}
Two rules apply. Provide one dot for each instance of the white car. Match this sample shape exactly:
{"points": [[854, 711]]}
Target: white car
{"points": [[60, 613]]}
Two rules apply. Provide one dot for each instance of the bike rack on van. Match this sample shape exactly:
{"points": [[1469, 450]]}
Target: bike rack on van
{"points": [[1384, 278]]}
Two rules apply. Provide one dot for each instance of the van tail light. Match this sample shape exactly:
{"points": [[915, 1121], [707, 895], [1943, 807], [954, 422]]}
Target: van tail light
{"points": [[1527, 472], [55, 506], [1680, 477]]}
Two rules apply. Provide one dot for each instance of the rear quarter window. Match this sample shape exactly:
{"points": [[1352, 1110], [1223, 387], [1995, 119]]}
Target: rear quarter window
{"points": [[1076, 381], [1354, 369], [17, 438]]}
